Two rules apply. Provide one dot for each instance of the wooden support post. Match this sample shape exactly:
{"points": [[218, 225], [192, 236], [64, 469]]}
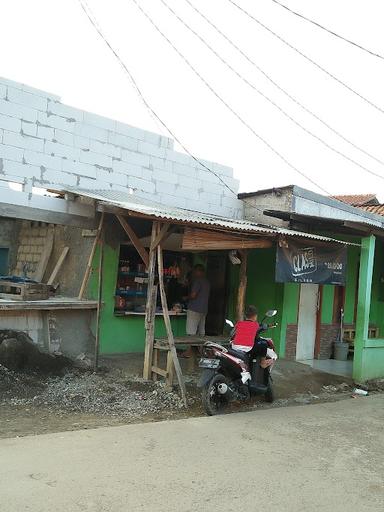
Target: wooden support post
{"points": [[150, 309], [135, 240], [99, 300], [168, 326], [240, 306], [90, 259], [58, 265]]}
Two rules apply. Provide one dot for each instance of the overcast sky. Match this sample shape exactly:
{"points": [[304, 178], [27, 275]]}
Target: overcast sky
{"points": [[50, 44]]}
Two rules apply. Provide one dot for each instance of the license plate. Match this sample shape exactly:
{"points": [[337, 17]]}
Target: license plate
{"points": [[209, 363]]}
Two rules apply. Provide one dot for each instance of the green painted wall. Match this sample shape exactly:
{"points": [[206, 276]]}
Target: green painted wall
{"points": [[264, 292], [121, 334]]}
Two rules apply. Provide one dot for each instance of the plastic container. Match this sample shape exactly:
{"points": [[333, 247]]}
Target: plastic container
{"points": [[341, 351]]}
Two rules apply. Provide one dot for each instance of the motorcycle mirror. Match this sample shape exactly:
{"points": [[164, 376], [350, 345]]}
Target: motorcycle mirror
{"points": [[271, 313], [229, 322]]}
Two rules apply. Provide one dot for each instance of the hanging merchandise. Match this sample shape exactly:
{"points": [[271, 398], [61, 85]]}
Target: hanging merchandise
{"points": [[234, 258]]}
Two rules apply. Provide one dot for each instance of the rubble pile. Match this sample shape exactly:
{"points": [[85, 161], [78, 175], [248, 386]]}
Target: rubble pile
{"points": [[110, 393], [17, 384]]}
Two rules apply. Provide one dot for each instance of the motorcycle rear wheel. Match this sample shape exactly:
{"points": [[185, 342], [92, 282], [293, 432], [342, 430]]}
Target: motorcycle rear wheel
{"points": [[213, 401]]}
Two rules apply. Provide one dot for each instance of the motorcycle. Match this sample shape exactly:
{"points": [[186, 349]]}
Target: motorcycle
{"points": [[228, 374]]}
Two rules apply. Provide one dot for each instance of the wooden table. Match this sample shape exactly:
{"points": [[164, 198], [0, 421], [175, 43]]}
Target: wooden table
{"points": [[193, 342]]}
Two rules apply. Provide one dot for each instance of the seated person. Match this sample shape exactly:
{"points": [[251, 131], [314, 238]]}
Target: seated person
{"points": [[245, 337]]}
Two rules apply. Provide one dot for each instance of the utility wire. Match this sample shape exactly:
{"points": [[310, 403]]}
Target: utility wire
{"points": [[267, 98], [91, 17], [357, 45], [331, 75], [227, 105], [279, 87]]}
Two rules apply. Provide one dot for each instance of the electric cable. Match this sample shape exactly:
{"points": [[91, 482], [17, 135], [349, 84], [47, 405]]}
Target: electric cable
{"points": [[226, 104], [267, 98], [280, 88], [331, 75], [92, 19], [332, 32]]}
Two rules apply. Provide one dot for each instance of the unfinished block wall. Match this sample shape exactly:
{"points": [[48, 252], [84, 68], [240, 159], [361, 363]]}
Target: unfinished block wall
{"points": [[45, 143], [32, 244]]}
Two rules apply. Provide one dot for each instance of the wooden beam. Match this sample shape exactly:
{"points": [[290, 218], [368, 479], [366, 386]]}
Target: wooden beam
{"points": [[150, 309], [42, 265], [99, 301], [90, 259], [240, 307], [205, 240], [163, 235], [58, 265], [168, 326], [135, 240]]}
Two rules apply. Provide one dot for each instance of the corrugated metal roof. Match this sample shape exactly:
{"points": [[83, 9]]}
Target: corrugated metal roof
{"points": [[159, 211]]}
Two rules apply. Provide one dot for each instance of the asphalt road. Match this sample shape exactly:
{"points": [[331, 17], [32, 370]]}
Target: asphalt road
{"points": [[327, 457]]}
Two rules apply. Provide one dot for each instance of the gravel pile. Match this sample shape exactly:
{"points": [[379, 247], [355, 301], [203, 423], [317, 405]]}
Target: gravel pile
{"points": [[18, 384], [111, 394]]}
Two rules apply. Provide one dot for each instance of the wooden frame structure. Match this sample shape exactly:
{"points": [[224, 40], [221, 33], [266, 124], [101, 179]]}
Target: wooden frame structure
{"points": [[194, 239]]}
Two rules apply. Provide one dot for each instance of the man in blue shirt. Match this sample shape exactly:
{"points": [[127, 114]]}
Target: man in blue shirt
{"points": [[198, 302]]}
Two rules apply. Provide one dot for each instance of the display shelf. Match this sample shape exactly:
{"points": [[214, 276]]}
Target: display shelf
{"points": [[128, 293], [133, 274], [136, 313]]}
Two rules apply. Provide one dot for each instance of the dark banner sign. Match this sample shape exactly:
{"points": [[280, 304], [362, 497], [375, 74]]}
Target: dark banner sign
{"points": [[301, 262]]}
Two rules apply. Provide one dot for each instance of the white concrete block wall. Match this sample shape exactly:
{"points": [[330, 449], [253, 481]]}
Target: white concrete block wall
{"points": [[46, 143]]}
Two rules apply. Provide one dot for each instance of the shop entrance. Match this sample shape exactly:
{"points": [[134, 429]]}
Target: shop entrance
{"points": [[217, 268], [306, 328]]}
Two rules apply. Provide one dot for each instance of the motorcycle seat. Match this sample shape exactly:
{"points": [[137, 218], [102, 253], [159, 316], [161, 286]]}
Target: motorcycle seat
{"points": [[238, 353]]}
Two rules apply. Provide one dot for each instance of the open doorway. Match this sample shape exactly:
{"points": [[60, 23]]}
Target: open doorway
{"points": [[217, 269]]}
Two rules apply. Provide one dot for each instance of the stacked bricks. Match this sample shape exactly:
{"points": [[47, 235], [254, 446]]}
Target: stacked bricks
{"points": [[291, 342], [32, 240], [328, 335], [47, 144]]}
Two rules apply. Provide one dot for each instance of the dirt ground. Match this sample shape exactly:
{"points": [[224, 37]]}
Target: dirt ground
{"points": [[34, 403]]}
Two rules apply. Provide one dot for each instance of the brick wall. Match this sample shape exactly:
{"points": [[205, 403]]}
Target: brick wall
{"points": [[328, 335], [290, 342], [45, 143]]}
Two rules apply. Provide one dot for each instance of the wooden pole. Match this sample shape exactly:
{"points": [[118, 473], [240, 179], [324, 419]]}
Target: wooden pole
{"points": [[99, 300], [168, 326], [90, 259], [240, 307], [150, 309], [134, 239]]}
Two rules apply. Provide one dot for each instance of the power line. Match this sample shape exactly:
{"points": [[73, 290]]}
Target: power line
{"points": [[331, 75], [267, 98], [88, 12], [279, 87], [357, 45], [226, 104]]}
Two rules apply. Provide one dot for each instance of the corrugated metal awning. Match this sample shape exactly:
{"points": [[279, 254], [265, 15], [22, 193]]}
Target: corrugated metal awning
{"points": [[162, 212]]}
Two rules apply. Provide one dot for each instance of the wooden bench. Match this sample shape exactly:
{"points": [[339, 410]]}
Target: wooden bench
{"points": [[194, 342]]}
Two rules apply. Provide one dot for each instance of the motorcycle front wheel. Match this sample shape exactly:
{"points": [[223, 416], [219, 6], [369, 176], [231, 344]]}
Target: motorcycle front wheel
{"points": [[214, 397], [269, 395]]}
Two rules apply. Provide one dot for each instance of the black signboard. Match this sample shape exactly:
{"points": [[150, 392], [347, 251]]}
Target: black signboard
{"points": [[302, 262]]}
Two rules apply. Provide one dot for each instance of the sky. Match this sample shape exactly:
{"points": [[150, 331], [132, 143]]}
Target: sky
{"points": [[50, 44]]}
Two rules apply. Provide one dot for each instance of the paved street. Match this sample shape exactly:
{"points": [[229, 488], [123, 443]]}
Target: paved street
{"points": [[326, 457]]}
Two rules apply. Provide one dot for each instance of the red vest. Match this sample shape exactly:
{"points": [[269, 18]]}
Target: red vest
{"points": [[245, 333]]}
